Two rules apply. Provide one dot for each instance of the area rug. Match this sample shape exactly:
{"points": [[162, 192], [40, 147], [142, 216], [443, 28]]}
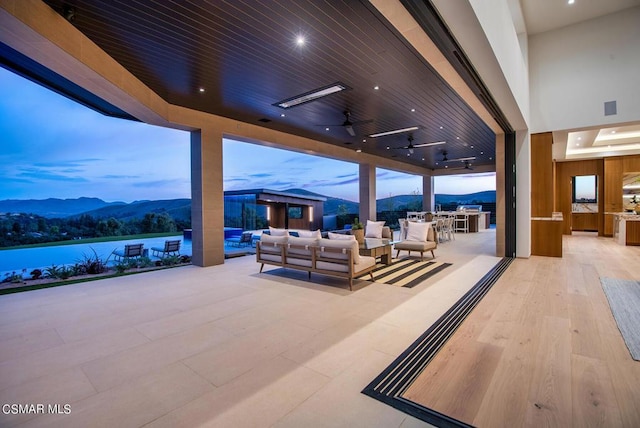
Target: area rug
{"points": [[624, 300], [407, 272]]}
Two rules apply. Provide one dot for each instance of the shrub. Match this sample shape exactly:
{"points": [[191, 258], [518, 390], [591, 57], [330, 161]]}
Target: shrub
{"points": [[36, 274]]}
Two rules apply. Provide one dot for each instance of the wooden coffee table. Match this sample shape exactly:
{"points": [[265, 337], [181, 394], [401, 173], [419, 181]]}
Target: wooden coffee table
{"points": [[378, 248]]}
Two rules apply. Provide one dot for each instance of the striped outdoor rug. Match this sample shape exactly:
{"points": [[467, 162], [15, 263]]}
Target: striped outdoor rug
{"points": [[407, 272]]}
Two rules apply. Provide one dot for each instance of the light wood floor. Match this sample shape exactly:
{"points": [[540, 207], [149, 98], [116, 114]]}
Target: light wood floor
{"points": [[542, 349]]}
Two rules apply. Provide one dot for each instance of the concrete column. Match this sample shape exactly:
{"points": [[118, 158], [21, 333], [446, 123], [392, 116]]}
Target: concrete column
{"points": [[428, 194], [207, 198], [367, 192]]}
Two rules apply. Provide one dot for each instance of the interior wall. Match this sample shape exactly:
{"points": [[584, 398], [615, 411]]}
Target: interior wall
{"points": [[565, 171], [575, 69]]}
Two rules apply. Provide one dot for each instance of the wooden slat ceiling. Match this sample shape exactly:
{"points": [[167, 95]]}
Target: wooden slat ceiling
{"points": [[243, 53]]}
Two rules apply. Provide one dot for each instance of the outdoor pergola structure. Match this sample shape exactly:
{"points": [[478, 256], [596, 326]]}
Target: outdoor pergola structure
{"points": [[471, 53]]}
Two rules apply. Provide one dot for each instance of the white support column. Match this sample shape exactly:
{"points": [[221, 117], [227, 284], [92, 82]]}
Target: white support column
{"points": [[367, 192], [207, 198], [428, 195]]}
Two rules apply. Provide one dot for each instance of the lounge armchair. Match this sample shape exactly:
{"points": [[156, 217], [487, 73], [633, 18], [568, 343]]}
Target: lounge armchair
{"points": [[417, 237], [131, 251], [240, 241], [171, 248]]}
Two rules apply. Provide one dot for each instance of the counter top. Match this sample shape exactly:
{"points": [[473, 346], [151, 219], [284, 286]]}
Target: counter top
{"points": [[547, 218]]}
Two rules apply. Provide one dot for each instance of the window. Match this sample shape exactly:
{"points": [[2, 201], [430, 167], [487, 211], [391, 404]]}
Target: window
{"points": [[585, 193], [295, 212]]}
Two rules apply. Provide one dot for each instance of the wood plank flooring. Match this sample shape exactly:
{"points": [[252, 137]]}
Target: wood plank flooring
{"points": [[542, 348]]}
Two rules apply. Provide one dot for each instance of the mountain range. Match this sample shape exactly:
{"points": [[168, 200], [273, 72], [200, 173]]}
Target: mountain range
{"points": [[180, 209]]}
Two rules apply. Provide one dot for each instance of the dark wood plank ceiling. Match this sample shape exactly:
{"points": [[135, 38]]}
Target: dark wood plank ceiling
{"points": [[243, 53]]}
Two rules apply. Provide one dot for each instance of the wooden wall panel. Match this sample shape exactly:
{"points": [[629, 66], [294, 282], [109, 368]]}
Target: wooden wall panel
{"points": [[612, 191], [564, 173], [546, 238], [541, 175]]}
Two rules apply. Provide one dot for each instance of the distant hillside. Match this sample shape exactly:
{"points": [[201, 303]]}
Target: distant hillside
{"points": [[179, 209], [332, 204], [486, 196], [53, 207]]}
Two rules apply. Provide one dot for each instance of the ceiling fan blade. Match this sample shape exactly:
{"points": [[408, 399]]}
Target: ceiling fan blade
{"points": [[362, 122], [350, 130], [429, 144]]}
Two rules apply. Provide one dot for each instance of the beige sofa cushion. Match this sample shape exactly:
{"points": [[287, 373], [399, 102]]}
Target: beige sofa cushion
{"points": [[272, 244], [339, 243], [278, 232], [407, 245], [306, 242], [365, 262], [310, 234]]}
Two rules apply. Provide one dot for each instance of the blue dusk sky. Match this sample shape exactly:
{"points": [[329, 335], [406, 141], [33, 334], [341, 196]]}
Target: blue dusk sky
{"points": [[53, 147]]}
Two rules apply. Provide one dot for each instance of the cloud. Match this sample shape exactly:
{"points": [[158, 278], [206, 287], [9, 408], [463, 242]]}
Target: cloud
{"points": [[40, 174], [158, 183], [120, 177], [261, 175], [71, 163]]}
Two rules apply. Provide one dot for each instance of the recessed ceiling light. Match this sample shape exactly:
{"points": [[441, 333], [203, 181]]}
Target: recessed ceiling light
{"points": [[412, 110], [490, 158], [300, 40], [359, 151], [201, 90], [422, 158], [442, 127], [326, 129], [472, 147], [613, 132], [579, 138], [609, 146], [457, 138], [376, 87], [312, 95], [395, 131], [577, 144], [408, 154], [446, 166], [436, 163], [571, 1], [481, 153], [387, 147], [282, 115], [364, 140]]}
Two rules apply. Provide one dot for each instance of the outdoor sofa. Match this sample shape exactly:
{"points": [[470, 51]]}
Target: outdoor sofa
{"points": [[333, 257]]}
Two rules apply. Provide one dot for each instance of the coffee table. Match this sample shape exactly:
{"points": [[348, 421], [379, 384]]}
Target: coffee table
{"points": [[378, 248]]}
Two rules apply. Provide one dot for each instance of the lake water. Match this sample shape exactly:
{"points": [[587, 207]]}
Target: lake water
{"points": [[43, 257]]}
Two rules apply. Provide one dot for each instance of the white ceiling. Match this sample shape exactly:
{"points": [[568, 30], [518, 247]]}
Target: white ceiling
{"points": [[545, 15]]}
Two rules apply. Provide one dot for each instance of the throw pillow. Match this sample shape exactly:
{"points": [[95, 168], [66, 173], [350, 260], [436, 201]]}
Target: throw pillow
{"points": [[278, 232], [341, 236], [310, 234], [373, 229], [417, 231]]}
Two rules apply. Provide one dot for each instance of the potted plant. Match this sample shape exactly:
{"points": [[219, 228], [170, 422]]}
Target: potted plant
{"points": [[357, 230]]}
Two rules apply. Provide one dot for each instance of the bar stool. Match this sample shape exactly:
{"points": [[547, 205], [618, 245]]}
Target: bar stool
{"points": [[448, 229], [461, 223]]}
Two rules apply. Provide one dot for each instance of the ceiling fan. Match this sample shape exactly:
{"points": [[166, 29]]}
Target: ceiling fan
{"points": [[446, 159], [348, 124], [412, 146], [467, 165]]}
